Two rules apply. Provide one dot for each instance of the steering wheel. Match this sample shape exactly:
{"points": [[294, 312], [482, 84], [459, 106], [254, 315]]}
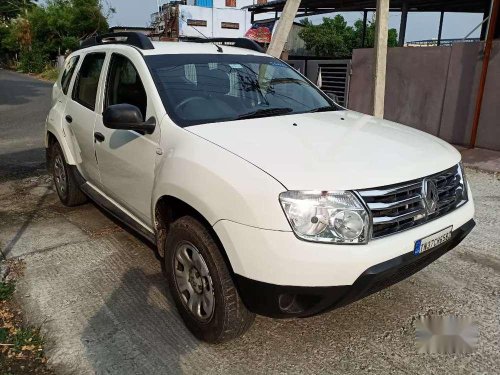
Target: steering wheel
{"points": [[189, 100]]}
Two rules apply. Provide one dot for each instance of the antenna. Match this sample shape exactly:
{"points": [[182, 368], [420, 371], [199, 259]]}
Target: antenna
{"points": [[219, 48]]}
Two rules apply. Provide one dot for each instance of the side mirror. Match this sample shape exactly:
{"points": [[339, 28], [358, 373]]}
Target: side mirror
{"points": [[127, 117]]}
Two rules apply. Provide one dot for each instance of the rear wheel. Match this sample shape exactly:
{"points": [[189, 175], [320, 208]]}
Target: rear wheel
{"points": [[201, 284], [66, 186]]}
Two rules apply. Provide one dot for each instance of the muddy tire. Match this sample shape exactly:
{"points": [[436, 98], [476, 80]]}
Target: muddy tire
{"points": [[67, 187], [201, 284]]}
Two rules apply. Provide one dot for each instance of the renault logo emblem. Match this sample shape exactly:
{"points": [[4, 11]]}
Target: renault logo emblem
{"points": [[430, 195]]}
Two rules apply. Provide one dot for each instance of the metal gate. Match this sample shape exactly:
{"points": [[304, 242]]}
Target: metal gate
{"points": [[335, 75]]}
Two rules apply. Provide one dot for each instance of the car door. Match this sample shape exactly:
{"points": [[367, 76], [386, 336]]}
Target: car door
{"points": [[61, 87], [126, 158], [60, 93], [80, 115]]}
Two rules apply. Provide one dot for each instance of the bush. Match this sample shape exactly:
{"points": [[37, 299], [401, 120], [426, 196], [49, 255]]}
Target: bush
{"points": [[50, 73], [32, 61]]}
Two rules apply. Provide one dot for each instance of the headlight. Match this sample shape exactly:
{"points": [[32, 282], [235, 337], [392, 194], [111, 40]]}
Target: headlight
{"points": [[328, 216]]}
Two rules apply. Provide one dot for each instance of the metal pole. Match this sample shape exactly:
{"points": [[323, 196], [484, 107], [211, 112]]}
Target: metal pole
{"points": [[440, 32], [484, 72], [365, 20], [381, 36], [402, 26]]}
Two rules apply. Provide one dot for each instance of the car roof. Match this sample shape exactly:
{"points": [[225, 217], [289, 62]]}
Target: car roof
{"points": [[162, 48], [165, 48]]}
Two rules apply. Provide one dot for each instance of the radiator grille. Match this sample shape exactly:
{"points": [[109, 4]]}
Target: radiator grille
{"points": [[395, 208]]}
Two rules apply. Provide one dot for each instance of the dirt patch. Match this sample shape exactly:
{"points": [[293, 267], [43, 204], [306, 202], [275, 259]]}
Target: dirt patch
{"points": [[21, 346]]}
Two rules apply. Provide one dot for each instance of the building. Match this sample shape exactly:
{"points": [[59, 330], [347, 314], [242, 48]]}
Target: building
{"points": [[198, 18]]}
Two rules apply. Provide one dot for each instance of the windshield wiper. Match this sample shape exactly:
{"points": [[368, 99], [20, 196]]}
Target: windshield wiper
{"points": [[324, 109], [265, 112]]}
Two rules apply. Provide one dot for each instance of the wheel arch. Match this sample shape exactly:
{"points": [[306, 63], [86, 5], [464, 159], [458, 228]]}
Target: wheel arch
{"points": [[169, 208], [52, 137]]}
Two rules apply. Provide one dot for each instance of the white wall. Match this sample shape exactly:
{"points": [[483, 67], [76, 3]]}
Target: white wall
{"points": [[196, 13], [239, 4], [230, 15], [214, 17]]}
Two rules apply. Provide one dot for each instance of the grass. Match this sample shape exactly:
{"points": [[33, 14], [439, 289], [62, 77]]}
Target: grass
{"points": [[6, 290], [27, 339], [21, 349], [49, 74]]}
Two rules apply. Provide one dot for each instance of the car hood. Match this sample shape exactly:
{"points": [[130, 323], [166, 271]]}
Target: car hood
{"points": [[339, 150]]}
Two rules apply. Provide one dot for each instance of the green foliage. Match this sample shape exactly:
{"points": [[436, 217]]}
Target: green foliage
{"points": [[50, 29], [4, 335], [33, 61], [6, 290], [26, 337], [61, 24], [334, 38], [50, 74], [10, 9]]}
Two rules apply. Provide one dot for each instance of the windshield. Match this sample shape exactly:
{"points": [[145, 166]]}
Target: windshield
{"points": [[198, 89]]}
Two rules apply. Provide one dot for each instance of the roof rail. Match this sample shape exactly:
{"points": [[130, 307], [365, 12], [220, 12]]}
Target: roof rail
{"points": [[233, 42], [130, 38]]}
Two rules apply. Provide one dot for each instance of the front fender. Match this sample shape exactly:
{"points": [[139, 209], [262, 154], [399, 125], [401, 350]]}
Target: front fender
{"points": [[217, 183]]}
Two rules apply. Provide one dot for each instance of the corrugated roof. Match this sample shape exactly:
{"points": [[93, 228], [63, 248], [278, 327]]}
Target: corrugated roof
{"points": [[468, 6]]}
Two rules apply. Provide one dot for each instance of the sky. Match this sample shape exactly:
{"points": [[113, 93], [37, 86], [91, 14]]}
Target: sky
{"points": [[419, 26]]}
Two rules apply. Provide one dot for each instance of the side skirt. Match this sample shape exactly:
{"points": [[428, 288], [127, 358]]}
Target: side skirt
{"points": [[111, 208]]}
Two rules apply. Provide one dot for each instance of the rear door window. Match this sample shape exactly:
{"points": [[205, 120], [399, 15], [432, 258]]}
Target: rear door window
{"points": [[69, 69], [87, 81]]}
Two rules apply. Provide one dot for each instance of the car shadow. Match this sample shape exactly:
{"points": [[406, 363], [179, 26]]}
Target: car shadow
{"points": [[21, 90], [21, 164], [134, 333]]}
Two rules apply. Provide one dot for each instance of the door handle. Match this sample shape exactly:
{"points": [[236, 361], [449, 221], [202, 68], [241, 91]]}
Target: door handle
{"points": [[99, 137], [69, 119]]}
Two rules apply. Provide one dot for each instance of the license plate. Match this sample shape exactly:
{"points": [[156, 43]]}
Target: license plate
{"points": [[431, 241]]}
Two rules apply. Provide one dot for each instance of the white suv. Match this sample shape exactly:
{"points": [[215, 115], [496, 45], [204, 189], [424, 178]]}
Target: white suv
{"points": [[262, 194]]}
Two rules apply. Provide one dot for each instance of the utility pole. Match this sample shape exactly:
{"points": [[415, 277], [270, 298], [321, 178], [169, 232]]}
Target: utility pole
{"points": [[488, 45], [381, 36], [402, 26], [284, 26]]}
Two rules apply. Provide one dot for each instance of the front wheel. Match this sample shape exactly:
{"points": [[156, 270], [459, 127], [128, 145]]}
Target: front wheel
{"points": [[201, 284]]}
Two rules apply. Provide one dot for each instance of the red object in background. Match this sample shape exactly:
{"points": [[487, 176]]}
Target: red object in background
{"points": [[260, 32]]}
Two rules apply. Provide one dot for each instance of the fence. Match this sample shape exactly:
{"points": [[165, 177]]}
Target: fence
{"points": [[335, 75], [434, 89]]}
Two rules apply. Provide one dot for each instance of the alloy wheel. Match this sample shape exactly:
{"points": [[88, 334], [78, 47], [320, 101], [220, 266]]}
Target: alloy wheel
{"points": [[60, 175], [194, 282]]}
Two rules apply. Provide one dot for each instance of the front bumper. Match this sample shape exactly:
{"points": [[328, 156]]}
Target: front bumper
{"points": [[279, 301], [279, 258]]}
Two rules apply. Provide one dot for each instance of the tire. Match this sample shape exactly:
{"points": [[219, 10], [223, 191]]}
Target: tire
{"points": [[67, 188], [226, 318]]}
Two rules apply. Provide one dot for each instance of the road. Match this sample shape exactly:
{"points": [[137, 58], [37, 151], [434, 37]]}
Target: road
{"points": [[99, 294], [23, 109]]}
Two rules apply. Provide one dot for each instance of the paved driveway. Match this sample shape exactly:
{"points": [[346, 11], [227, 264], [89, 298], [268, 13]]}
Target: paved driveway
{"points": [[99, 294]]}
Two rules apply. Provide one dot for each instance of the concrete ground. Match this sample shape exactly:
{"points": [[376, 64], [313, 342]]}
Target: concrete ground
{"points": [[100, 297]]}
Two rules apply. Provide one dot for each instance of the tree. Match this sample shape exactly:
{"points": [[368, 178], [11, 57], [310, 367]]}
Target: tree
{"points": [[10, 9], [333, 38], [61, 24], [41, 32]]}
